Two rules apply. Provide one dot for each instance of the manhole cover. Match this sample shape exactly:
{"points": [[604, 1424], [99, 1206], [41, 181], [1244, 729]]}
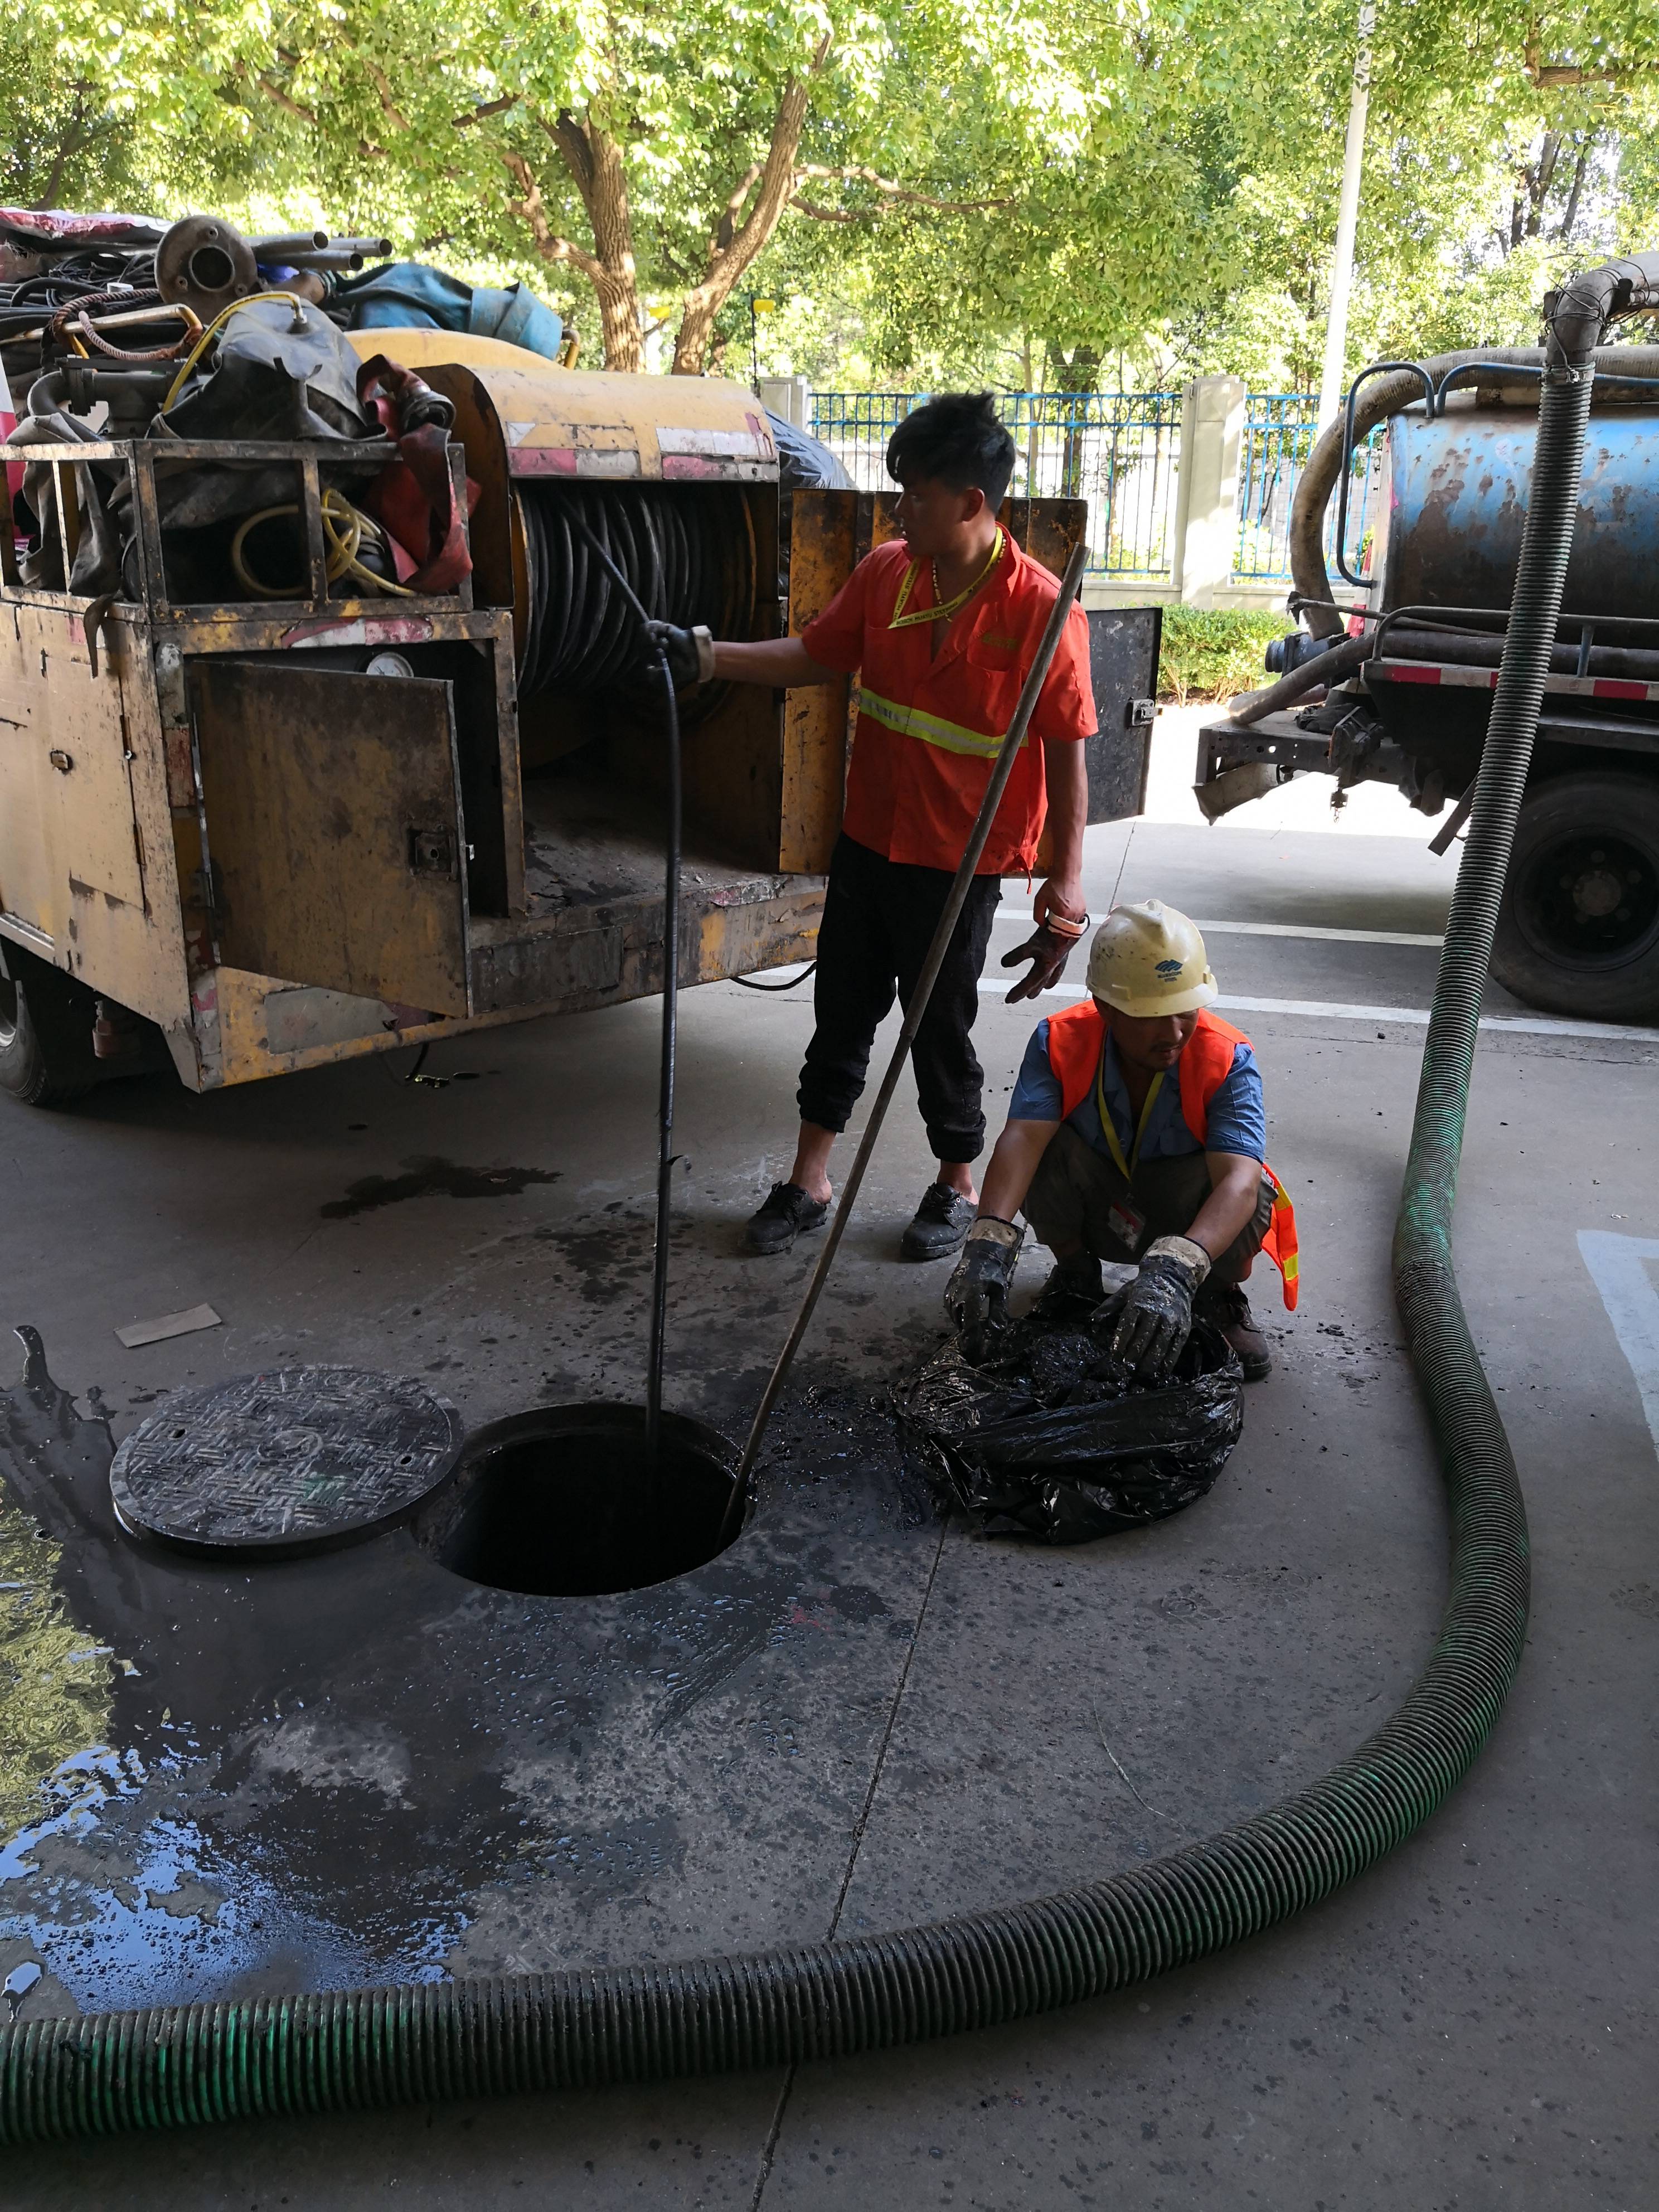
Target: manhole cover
{"points": [[281, 1462]]}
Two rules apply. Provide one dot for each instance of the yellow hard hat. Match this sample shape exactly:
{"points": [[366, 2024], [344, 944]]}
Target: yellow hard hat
{"points": [[1148, 960]]}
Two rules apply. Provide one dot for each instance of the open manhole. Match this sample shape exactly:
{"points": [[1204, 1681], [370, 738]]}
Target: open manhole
{"points": [[562, 1502]]}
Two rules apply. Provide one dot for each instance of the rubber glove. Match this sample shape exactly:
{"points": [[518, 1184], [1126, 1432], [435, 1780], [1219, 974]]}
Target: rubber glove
{"points": [[1157, 1314], [976, 1296], [1048, 948], [689, 653]]}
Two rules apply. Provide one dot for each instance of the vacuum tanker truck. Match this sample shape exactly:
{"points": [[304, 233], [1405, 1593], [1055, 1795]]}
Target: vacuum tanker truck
{"points": [[1397, 684]]}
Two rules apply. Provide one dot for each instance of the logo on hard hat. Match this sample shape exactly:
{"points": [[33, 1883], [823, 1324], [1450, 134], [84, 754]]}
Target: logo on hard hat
{"points": [[1169, 970]]}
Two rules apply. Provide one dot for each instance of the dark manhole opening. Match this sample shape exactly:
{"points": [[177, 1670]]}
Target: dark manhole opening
{"points": [[562, 1503]]}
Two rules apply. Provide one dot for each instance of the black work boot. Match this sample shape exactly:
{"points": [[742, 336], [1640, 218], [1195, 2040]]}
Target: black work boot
{"points": [[940, 1225], [1227, 1307], [788, 1212], [1074, 1287]]}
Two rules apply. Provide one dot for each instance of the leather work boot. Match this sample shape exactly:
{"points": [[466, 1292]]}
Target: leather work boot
{"points": [[940, 1225], [788, 1212], [1226, 1305], [1073, 1283]]}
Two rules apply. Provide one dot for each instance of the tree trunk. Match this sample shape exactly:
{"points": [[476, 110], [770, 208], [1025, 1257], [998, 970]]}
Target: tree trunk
{"points": [[1539, 177], [594, 161], [1570, 217], [1078, 376], [736, 244]]}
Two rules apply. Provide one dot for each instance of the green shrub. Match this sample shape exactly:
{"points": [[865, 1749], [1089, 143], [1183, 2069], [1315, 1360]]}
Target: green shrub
{"points": [[1215, 653]]}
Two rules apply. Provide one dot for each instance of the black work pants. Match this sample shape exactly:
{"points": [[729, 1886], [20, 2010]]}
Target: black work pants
{"points": [[879, 916]]}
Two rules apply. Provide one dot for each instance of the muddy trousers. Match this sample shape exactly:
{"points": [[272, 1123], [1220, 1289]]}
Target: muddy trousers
{"points": [[1075, 1188]]}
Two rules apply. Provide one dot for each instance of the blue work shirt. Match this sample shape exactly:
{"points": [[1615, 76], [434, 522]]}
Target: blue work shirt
{"points": [[1237, 1117]]}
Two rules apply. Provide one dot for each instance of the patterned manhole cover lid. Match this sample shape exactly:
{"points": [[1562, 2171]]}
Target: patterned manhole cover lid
{"points": [[298, 1456]]}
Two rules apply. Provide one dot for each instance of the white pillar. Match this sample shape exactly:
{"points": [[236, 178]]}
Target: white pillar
{"points": [[791, 397], [1206, 489], [1332, 383]]}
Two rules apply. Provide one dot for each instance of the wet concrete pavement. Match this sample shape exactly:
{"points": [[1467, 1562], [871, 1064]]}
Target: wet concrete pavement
{"points": [[361, 1766]]}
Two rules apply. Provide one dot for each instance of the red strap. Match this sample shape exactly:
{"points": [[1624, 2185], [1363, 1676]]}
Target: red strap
{"points": [[414, 496]]}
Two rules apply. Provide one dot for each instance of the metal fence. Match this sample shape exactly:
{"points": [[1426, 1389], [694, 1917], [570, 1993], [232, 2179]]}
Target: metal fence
{"points": [[1279, 431], [1119, 450]]}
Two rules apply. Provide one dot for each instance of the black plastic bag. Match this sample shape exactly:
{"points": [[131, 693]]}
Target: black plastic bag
{"points": [[1047, 1440]]}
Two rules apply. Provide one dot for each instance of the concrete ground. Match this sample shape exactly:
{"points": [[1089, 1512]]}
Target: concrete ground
{"points": [[1470, 2025]]}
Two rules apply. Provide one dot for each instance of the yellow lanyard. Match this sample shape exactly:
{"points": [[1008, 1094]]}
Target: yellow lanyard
{"points": [[1124, 1167], [902, 621]]}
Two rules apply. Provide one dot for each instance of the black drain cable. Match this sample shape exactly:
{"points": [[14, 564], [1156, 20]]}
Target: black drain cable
{"points": [[172, 2065], [810, 968], [956, 899], [671, 976]]}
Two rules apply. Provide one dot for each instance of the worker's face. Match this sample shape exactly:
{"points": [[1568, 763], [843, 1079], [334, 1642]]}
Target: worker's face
{"points": [[1156, 1043], [934, 519]]}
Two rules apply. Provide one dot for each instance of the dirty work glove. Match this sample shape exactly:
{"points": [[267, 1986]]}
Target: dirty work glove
{"points": [[1157, 1314], [1048, 948], [976, 1296], [1047, 955], [689, 653]]}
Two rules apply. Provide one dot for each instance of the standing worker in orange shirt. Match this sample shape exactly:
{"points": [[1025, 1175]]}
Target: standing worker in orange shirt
{"points": [[942, 625]]}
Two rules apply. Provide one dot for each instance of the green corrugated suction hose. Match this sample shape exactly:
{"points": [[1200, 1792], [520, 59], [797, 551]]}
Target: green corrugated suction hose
{"points": [[176, 2065]]}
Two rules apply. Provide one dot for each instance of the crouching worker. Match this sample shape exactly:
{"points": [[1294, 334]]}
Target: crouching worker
{"points": [[1136, 1132]]}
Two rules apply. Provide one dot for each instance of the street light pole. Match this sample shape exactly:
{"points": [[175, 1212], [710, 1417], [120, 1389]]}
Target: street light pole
{"points": [[1331, 381]]}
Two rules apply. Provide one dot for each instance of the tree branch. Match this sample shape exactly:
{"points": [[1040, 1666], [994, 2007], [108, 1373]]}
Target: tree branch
{"points": [[856, 173], [284, 100], [69, 145], [1572, 215], [483, 110], [1547, 77], [394, 115], [726, 227], [532, 210]]}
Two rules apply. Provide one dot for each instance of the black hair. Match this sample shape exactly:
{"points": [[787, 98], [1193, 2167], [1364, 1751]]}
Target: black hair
{"points": [[956, 439]]}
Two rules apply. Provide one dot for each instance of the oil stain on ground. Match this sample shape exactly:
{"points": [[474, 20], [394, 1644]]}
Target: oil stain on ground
{"points": [[429, 1176]]}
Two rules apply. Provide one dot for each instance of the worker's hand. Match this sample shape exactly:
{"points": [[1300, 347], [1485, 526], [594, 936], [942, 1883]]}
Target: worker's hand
{"points": [[976, 1296], [689, 653], [1061, 919], [1156, 1317]]}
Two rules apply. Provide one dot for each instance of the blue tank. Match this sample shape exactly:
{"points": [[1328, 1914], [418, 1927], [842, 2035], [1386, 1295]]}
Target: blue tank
{"points": [[1455, 501]]}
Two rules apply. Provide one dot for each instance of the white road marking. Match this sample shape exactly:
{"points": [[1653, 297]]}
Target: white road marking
{"points": [[1334, 1010], [1618, 1269], [1294, 929]]}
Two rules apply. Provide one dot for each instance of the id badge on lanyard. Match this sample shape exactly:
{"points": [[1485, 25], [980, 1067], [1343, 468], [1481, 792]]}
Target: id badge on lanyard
{"points": [[1124, 1218]]}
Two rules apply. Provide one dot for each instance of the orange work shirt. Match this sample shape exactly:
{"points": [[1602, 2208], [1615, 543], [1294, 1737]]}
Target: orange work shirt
{"points": [[929, 730]]}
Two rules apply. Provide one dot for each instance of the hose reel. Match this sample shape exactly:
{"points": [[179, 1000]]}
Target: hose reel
{"points": [[688, 554]]}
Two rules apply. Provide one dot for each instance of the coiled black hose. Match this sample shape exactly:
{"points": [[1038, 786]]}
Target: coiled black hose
{"points": [[687, 559], [174, 2065]]}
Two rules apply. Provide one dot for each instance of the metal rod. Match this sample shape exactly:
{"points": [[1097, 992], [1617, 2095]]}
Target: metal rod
{"points": [[671, 985], [954, 903]]}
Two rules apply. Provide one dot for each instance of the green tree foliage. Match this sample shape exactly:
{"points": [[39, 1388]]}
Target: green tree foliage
{"points": [[1096, 189]]}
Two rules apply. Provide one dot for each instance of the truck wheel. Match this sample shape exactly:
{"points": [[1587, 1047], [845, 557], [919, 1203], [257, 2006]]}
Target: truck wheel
{"points": [[46, 1032], [1578, 930]]}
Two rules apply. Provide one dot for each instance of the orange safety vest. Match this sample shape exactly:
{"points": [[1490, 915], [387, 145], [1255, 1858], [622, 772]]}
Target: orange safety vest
{"points": [[1077, 1038]]}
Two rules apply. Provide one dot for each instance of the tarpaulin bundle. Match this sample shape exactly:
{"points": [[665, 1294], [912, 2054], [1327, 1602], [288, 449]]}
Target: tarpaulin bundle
{"points": [[413, 296]]}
